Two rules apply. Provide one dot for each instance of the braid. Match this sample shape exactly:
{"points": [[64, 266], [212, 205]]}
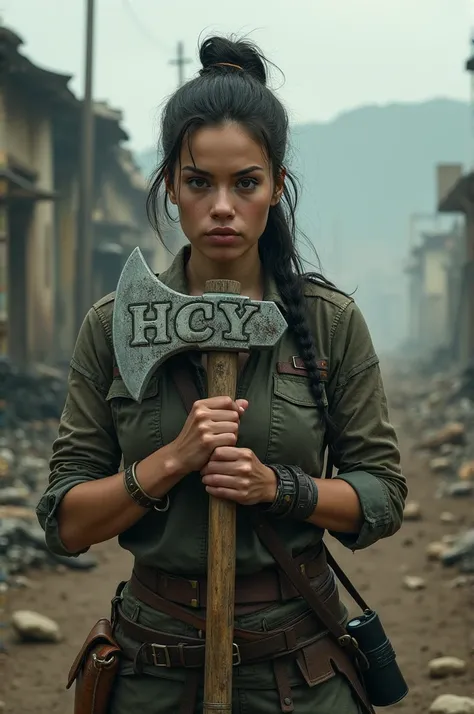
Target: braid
{"points": [[290, 286], [279, 257]]}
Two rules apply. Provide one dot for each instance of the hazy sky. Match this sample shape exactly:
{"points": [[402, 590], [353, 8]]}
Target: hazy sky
{"points": [[336, 54]]}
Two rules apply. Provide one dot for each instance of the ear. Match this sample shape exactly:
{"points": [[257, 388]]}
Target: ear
{"points": [[279, 187], [170, 189]]}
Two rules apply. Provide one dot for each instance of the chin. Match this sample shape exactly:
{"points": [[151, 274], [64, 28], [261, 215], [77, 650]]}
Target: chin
{"points": [[223, 254]]}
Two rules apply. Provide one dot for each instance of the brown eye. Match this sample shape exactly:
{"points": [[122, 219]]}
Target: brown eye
{"points": [[197, 182], [248, 184]]}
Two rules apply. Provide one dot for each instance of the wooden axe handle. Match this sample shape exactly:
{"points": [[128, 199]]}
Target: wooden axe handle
{"points": [[222, 369]]}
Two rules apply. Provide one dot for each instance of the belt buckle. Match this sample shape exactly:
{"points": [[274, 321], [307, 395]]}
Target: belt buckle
{"points": [[296, 365], [195, 601], [164, 648], [236, 658]]}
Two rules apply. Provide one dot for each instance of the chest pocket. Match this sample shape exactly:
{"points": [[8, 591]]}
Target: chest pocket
{"points": [[138, 426], [297, 426]]}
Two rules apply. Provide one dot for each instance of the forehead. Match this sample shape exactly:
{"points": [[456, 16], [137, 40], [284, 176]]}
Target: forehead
{"points": [[228, 147]]}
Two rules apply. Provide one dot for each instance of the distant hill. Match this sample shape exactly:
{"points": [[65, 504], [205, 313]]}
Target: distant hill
{"points": [[363, 174]]}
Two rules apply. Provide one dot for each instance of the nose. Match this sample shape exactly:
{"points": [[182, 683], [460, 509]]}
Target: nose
{"points": [[223, 206]]}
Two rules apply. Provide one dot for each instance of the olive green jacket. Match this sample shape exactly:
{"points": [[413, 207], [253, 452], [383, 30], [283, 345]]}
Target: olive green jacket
{"points": [[101, 423]]}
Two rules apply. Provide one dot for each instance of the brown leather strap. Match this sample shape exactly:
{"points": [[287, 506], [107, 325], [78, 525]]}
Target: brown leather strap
{"points": [[147, 596], [267, 586], [271, 541], [344, 580], [168, 607], [340, 574], [163, 649], [282, 679]]}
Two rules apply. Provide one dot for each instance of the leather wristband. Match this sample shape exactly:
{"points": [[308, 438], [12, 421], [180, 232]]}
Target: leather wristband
{"points": [[307, 494], [286, 491], [136, 492]]}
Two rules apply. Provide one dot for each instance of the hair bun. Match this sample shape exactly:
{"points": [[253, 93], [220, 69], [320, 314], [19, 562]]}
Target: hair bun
{"points": [[216, 50]]}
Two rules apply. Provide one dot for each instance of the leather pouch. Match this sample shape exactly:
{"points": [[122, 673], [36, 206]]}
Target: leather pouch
{"points": [[323, 659], [94, 670]]}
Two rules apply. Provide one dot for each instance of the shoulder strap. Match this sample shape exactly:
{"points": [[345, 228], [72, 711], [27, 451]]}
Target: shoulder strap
{"points": [[274, 545]]}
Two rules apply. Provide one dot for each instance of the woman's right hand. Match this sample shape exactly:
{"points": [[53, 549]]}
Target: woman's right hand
{"points": [[211, 423]]}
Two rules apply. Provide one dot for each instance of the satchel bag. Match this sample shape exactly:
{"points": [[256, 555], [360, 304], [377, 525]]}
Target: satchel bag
{"points": [[94, 670]]}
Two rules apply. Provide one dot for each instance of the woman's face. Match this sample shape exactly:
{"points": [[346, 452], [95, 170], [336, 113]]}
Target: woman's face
{"points": [[223, 188]]}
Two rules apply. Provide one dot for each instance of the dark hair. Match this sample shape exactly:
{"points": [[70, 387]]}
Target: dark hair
{"points": [[237, 91]]}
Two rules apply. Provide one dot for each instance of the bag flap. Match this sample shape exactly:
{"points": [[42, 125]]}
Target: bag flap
{"points": [[315, 661], [101, 634]]}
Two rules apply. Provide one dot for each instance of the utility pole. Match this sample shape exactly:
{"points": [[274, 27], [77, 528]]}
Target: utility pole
{"points": [[180, 61], [85, 237]]}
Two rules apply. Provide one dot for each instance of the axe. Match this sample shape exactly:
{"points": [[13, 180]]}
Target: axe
{"points": [[152, 323]]}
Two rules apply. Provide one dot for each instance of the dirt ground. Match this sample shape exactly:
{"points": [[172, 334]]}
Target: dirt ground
{"points": [[422, 625]]}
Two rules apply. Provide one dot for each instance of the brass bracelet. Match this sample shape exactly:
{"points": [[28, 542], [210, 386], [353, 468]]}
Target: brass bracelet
{"points": [[139, 495]]}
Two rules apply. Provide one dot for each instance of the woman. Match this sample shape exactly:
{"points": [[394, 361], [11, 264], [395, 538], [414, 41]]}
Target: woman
{"points": [[224, 136]]}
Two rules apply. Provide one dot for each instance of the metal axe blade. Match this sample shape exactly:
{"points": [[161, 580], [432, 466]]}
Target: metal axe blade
{"points": [[152, 322]]}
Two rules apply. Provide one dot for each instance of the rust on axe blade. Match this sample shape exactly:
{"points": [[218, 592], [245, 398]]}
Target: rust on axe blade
{"points": [[151, 323]]}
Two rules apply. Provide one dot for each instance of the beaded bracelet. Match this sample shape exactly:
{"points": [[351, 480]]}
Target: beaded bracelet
{"points": [[140, 496]]}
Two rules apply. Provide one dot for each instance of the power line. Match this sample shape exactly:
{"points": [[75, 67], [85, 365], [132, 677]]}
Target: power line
{"points": [[180, 60], [143, 29]]}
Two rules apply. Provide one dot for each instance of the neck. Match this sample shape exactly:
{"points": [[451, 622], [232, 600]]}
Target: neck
{"points": [[247, 270]]}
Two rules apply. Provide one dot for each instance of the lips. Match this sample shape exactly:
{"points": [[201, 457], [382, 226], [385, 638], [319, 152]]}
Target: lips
{"points": [[222, 232]]}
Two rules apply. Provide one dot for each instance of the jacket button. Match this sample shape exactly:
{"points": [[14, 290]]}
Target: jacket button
{"points": [[287, 701]]}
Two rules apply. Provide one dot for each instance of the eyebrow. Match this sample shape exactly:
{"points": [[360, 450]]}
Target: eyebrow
{"points": [[201, 172]]}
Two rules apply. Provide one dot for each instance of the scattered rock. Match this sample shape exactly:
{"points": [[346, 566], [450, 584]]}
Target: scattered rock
{"points": [[461, 550], [466, 471], [460, 582], [33, 627], [451, 704], [441, 463], [459, 489], [21, 581], [453, 433], [446, 666], [412, 511], [447, 517], [414, 582], [436, 550]]}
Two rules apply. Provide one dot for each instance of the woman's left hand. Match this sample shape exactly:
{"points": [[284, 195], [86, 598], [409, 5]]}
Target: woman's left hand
{"points": [[238, 475]]}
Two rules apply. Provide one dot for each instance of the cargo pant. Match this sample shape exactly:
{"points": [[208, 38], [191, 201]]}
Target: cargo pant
{"points": [[145, 694], [160, 690]]}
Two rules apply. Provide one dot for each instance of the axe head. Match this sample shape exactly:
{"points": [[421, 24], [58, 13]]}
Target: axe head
{"points": [[151, 323]]}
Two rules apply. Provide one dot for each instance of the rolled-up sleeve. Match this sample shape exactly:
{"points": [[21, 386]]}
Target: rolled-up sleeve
{"points": [[86, 447], [364, 444]]}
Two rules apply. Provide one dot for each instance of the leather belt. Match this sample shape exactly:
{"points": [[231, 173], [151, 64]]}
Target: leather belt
{"points": [[162, 649], [267, 586]]}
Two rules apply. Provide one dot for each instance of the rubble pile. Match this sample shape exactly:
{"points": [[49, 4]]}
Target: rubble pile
{"points": [[439, 413], [30, 406]]}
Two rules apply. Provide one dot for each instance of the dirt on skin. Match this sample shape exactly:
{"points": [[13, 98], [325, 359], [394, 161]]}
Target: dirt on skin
{"points": [[433, 622]]}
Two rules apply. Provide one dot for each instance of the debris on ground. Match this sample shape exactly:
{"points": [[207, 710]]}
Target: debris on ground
{"points": [[32, 402]]}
